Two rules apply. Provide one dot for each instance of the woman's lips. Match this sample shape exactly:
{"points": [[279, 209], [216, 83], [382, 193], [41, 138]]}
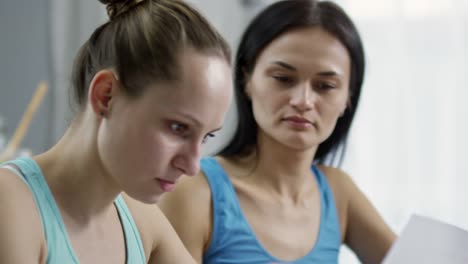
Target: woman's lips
{"points": [[166, 185], [298, 122]]}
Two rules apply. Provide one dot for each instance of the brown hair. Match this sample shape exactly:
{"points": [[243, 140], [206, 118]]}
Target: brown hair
{"points": [[142, 42]]}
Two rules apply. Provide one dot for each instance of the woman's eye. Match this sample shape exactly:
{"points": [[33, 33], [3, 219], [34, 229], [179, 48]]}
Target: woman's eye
{"points": [[205, 139], [179, 128], [283, 79], [325, 86]]}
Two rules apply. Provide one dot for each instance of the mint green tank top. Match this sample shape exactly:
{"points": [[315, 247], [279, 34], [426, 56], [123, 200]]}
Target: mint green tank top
{"points": [[59, 249]]}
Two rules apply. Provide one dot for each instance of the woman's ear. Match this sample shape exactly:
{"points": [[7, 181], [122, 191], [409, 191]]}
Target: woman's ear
{"points": [[247, 90], [102, 89], [347, 106], [247, 84], [342, 112]]}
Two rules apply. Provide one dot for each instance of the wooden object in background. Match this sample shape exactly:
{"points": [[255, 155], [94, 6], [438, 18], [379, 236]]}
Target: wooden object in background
{"points": [[23, 126]]}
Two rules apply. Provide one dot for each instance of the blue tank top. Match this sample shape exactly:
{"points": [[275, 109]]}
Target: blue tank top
{"points": [[59, 249], [234, 242]]}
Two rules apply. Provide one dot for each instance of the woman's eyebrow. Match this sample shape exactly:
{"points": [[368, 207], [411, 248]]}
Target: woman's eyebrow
{"points": [[285, 65]]}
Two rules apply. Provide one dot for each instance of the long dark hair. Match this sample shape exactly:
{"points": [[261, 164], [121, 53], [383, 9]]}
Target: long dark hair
{"points": [[275, 20]]}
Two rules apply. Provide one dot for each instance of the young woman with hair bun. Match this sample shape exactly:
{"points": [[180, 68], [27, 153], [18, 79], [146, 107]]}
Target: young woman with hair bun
{"points": [[150, 86]]}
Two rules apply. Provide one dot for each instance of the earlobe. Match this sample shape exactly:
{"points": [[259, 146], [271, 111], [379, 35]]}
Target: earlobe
{"points": [[247, 82], [342, 112], [348, 105], [102, 88], [247, 90]]}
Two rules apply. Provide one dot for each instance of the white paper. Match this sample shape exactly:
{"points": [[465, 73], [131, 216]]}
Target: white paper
{"points": [[428, 241]]}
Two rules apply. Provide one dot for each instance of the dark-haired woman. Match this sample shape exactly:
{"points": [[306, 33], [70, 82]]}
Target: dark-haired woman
{"points": [[273, 194]]}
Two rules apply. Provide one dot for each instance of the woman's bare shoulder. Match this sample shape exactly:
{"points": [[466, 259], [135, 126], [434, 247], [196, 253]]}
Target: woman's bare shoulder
{"points": [[21, 234], [13, 190], [337, 178], [341, 186]]}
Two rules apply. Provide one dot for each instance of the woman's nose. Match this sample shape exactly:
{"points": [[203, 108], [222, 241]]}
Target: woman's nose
{"points": [[188, 161], [303, 98]]}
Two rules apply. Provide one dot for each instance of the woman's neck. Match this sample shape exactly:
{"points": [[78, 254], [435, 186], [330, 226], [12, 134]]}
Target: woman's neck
{"points": [[73, 170], [280, 170]]}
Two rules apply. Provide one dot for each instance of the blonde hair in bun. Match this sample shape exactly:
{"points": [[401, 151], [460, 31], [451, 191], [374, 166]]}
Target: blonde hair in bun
{"points": [[142, 43], [117, 7]]}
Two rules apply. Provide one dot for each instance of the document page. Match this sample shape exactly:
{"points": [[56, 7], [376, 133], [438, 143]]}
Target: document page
{"points": [[428, 241]]}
